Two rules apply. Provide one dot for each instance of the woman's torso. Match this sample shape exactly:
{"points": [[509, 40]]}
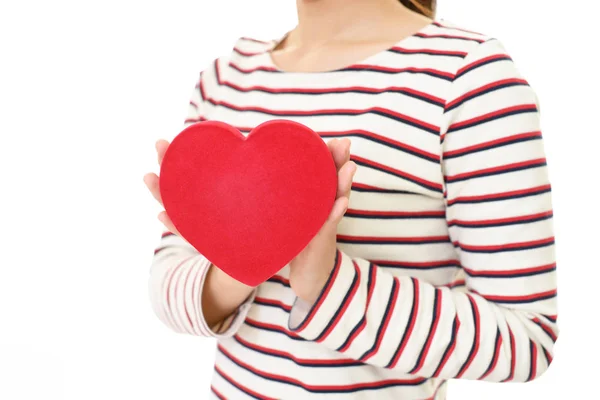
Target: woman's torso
{"points": [[391, 107]]}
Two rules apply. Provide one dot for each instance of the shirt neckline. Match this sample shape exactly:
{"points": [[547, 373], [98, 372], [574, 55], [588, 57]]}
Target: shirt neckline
{"points": [[270, 63]]}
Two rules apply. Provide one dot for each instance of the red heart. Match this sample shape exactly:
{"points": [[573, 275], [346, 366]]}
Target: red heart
{"points": [[249, 205]]}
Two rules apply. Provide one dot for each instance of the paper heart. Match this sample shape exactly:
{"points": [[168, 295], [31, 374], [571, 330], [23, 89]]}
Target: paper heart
{"points": [[248, 204]]}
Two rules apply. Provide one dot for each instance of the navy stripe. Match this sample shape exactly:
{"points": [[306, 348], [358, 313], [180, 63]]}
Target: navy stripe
{"points": [[279, 306], [380, 190], [496, 224], [355, 282], [505, 249], [477, 332], [398, 241], [508, 276], [397, 72], [495, 355], [434, 318], [497, 172], [318, 92], [386, 314], [478, 94], [493, 146], [474, 67], [448, 348], [425, 52], [524, 301], [417, 267], [364, 318], [415, 216], [501, 198], [432, 158], [492, 118], [532, 360], [275, 279], [413, 313], [282, 331], [300, 363], [431, 187], [373, 386]]}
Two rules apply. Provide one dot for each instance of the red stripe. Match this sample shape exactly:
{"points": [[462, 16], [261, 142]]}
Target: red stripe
{"points": [[397, 213], [442, 36], [280, 279], [450, 351], [271, 351], [493, 114], [501, 168], [240, 386], [249, 39], [513, 352], [247, 53], [436, 318], [507, 246], [168, 291], [332, 90], [481, 61], [248, 70], [495, 359], [529, 297], [264, 300], [392, 239], [412, 323], [217, 393], [388, 317], [166, 233], [458, 282], [382, 110], [484, 88], [372, 282], [432, 51], [342, 311], [533, 360], [357, 185], [323, 296], [383, 167], [500, 195], [523, 271], [400, 70], [477, 338], [385, 139], [321, 388], [492, 143], [520, 218]]}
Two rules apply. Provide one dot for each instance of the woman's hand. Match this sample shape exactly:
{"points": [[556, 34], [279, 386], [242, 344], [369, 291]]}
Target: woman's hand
{"points": [[310, 269], [151, 181]]}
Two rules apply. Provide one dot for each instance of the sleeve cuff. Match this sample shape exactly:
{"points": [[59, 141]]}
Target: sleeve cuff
{"points": [[316, 322], [228, 327]]}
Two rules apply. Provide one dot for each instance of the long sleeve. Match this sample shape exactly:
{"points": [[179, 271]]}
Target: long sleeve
{"points": [[502, 327], [178, 272]]}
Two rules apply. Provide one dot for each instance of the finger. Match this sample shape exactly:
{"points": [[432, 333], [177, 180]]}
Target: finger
{"points": [[164, 218], [161, 147], [340, 151], [151, 181], [345, 176]]}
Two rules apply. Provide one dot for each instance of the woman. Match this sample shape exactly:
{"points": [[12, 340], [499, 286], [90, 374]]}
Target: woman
{"points": [[440, 264]]}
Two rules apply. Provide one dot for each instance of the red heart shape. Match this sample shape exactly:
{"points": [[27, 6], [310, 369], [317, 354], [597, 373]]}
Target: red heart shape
{"points": [[249, 205]]}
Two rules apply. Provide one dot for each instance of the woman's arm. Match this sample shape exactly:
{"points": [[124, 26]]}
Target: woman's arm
{"points": [[186, 290], [499, 214]]}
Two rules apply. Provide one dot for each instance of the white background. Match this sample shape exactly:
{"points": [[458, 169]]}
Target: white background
{"points": [[86, 87]]}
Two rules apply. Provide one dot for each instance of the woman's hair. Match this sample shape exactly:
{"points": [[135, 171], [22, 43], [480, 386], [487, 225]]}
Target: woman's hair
{"points": [[425, 7]]}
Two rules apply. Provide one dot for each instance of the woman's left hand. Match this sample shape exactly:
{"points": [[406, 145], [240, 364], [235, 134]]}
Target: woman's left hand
{"points": [[310, 269]]}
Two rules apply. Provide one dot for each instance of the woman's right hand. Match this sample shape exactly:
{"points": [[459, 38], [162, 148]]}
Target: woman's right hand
{"points": [[151, 180]]}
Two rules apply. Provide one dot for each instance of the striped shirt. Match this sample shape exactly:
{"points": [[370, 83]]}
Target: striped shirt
{"points": [[446, 263]]}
